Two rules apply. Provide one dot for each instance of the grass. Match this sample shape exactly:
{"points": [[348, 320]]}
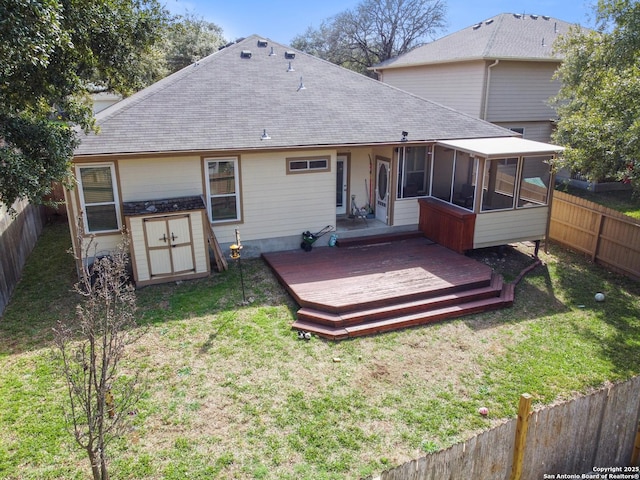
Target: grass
{"points": [[232, 393]]}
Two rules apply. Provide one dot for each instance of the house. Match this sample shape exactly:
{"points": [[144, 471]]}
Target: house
{"points": [[500, 70], [270, 142]]}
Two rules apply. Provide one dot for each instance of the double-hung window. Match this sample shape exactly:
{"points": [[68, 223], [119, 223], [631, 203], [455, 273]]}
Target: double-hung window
{"points": [[99, 198], [223, 189]]}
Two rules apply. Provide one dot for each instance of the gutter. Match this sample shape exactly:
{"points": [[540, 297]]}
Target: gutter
{"points": [[486, 91]]}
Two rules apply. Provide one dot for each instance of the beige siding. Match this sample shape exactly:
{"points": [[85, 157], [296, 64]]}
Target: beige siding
{"points": [[406, 212], [361, 174], [536, 131], [520, 91], [138, 248], [276, 204], [499, 228], [456, 85], [155, 179]]}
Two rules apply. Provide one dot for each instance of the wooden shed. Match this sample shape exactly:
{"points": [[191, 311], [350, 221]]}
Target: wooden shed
{"points": [[168, 239]]}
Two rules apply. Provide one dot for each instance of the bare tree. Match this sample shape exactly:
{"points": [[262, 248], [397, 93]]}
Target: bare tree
{"points": [[92, 348], [374, 31]]}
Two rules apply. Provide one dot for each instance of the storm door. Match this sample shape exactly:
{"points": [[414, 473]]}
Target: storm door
{"points": [[382, 190]]}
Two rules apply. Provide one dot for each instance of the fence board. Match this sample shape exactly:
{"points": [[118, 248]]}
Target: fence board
{"points": [[569, 438], [619, 424], [608, 237], [18, 236]]}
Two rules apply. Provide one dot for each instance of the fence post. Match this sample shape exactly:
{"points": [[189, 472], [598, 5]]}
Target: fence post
{"points": [[524, 409]]}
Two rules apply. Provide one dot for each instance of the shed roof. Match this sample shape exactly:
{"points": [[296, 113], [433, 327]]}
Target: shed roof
{"points": [[227, 100], [502, 147], [504, 36]]}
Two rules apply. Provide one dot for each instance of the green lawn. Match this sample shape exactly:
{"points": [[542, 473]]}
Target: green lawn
{"points": [[232, 393]]}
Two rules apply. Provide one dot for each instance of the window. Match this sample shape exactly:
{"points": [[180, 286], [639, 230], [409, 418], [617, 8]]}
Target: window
{"points": [[499, 181], [519, 130], [464, 180], [223, 187], [99, 198], [534, 186], [443, 173], [307, 165], [413, 172]]}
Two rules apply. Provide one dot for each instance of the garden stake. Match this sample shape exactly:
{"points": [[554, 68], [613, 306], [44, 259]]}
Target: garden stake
{"points": [[235, 254]]}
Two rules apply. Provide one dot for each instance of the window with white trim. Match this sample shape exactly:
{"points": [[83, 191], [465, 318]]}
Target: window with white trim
{"points": [[223, 189], [99, 198]]}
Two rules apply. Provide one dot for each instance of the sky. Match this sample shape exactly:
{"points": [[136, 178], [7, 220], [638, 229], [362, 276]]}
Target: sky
{"points": [[282, 20]]}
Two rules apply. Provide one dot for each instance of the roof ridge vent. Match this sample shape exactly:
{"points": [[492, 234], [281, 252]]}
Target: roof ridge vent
{"points": [[262, 43], [546, 17], [535, 17], [289, 55], [477, 26], [489, 22], [517, 15], [245, 54]]}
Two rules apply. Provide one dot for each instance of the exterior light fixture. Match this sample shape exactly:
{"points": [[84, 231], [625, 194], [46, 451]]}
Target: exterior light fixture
{"points": [[265, 135], [404, 136]]}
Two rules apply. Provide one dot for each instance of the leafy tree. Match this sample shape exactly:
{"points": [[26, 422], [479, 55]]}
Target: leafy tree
{"points": [[374, 31], [51, 53], [91, 350], [189, 39], [599, 101]]}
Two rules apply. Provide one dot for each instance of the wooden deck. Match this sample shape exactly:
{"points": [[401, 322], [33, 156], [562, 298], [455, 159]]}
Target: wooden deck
{"points": [[372, 287]]}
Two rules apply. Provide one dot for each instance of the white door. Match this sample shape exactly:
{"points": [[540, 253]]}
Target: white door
{"points": [[341, 185], [382, 190], [169, 245]]}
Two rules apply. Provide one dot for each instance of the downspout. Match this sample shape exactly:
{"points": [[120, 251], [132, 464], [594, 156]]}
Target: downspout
{"points": [[486, 91]]}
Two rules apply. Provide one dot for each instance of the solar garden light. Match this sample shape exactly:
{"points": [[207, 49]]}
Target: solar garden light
{"points": [[235, 255]]}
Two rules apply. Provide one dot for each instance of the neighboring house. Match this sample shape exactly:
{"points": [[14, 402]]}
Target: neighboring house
{"points": [[273, 142], [102, 100], [500, 70]]}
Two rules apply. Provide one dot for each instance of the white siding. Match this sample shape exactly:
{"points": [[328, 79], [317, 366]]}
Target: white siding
{"points": [[500, 228], [456, 85], [158, 178], [520, 91]]}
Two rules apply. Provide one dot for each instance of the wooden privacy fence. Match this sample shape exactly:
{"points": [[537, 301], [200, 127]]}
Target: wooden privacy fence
{"points": [[18, 236], [572, 438], [610, 238]]}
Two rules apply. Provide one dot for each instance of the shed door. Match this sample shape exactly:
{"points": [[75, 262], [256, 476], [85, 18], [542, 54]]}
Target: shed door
{"points": [[169, 245]]}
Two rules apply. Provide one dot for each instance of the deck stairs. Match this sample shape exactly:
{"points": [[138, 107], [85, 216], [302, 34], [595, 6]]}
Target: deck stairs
{"points": [[367, 318]]}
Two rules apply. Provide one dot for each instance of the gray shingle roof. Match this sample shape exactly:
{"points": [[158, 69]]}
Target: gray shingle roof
{"points": [[505, 36], [225, 102]]}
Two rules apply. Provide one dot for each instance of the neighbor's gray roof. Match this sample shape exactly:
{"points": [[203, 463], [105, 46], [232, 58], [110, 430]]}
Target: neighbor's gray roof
{"points": [[505, 36], [225, 102]]}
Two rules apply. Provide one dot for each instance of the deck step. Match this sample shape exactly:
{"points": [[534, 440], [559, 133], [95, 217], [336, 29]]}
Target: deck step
{"points": [[373, 326], [366, 314], [382, 238]]}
